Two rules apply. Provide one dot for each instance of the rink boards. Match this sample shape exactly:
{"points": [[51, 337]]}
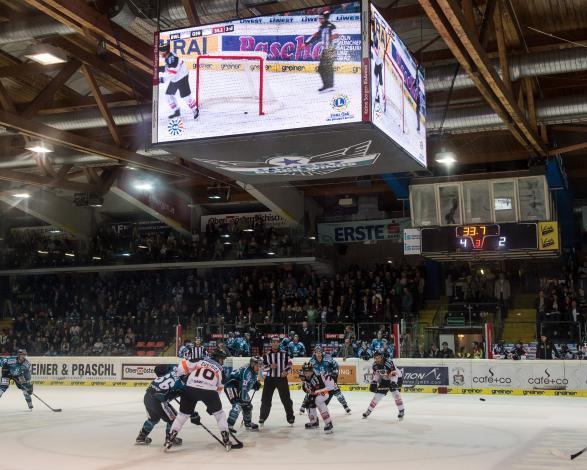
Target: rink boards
{"points": [[453, 376]]}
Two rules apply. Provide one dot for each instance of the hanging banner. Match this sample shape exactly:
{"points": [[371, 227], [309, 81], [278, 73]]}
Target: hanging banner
{"points": [[362, 231], [245, 219], [548, 236], [412, 241]]}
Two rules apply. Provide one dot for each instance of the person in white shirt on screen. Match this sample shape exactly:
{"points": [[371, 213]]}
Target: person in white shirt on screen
{"points": [[378, 73], [176, 73]]}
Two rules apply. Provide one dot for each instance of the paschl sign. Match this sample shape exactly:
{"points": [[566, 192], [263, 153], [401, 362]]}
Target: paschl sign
{"points": [[364, 231], [246, 219]]}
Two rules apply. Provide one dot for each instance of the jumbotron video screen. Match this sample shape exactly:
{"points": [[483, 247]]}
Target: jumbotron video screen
{"points": [[398, 97], [288, 71]]}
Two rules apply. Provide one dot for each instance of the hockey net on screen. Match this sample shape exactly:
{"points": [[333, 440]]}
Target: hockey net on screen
{"points": [[233, 83], [394, 92]]}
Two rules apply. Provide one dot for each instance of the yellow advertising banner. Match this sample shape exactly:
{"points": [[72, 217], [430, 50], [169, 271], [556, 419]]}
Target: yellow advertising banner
{"points": [[346, 374], [548, 236]]}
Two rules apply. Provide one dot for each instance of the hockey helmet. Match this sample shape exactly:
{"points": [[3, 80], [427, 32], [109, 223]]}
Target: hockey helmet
{"points": [[218, 355], [256, 361], [325, 14], [162, 369], [307, 369], [164, 47]]}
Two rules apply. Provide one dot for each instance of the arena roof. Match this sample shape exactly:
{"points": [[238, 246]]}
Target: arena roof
{"points": [[95, 107]]}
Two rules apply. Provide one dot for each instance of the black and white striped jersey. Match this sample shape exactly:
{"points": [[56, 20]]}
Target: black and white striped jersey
{"points": [[279, 358]]}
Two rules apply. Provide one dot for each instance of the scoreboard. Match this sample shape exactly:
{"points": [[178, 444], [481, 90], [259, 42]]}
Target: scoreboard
{"points": [[490, 240]]}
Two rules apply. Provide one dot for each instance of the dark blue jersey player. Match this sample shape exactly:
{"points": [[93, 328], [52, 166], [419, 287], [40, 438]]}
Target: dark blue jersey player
{"points": [[237, 387], [18, 369]]}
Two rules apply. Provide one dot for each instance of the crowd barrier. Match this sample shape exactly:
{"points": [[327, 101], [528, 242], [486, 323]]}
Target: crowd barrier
{"points": [[453, 376]]}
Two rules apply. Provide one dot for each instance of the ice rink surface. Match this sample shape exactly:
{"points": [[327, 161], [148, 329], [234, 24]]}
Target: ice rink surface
{"points": [[98, 426]]}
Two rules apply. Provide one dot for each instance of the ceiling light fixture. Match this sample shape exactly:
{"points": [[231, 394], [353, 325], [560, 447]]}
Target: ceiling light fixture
{"points": [[38, 146], [144, 186], [46, 54], [445, 157], [71, 255], [22, 195]]}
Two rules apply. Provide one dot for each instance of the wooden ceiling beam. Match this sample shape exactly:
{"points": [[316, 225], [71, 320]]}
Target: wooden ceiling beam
{"points": [[46, 95], [576, 129], [449, 22], [85, 145], [45, 181], [568, 149], [120, 79], [102, 105], [19, 70], [84, 18], [77, 104], [190, 9]]}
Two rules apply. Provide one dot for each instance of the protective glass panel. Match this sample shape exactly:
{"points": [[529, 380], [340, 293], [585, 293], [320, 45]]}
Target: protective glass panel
{"points": [[423, 206], [450, 206], [477, 202], [532, 198], [504, 201]]}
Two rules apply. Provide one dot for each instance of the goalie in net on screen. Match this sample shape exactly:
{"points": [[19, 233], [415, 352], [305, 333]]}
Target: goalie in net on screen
{"points": [[176, 74]]}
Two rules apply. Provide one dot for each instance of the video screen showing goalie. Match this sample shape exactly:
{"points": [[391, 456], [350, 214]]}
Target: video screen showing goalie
{"points": [[398, 98], [293, 70]]}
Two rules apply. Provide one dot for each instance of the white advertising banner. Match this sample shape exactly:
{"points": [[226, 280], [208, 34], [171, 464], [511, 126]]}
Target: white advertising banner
{"points": [[361, 231], [412, 241], [460, 376], [245, 219]]}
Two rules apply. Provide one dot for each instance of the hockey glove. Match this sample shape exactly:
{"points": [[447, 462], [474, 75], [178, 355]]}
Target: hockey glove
{"points": [[195, 418], [28, 387], [373, 387], [161, 80], [257, 385]]}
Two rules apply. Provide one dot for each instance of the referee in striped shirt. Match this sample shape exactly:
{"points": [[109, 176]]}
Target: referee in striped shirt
{"points": [[276, 365], [196, 352]]}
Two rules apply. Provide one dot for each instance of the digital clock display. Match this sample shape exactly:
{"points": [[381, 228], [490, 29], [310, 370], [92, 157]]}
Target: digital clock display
{"points": [[480, 237], [477, 238]]}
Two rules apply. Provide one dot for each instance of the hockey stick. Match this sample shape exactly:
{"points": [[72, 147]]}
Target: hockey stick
{"points": [[250, 401], [564, 456], [56, 410], [238, 445]]}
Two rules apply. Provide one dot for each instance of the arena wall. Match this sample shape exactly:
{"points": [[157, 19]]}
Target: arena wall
{"points": [[455, 376]]}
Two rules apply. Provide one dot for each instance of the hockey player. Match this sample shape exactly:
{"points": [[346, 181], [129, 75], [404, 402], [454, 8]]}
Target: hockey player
{"points": [[386, 377], [377, 55], [176, 73], [160, 392], [326, 364], [18, 369], [295, 348], [230, 342], [317, 386], [378, 342], [327, 36], [364, 352], [285, 341], [204, 383], [241, 346], [237, 387]]}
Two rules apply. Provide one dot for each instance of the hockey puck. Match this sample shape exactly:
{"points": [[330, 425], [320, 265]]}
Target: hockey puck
{"points": [[482, 399], [246, 112]]}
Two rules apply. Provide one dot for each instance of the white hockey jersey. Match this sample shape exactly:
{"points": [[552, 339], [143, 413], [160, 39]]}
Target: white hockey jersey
{"points": [[174, 69], [205, 374]]}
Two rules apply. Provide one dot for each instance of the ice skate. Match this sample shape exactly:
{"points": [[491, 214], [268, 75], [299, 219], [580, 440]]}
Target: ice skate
{"points": [[328, 428], [366, 414], [314, 425], [347, 410], [176, 441], [400, 415], [169, 440], [302, 410], [175, 114], [143, 439], [252, 427], [226, 440]]}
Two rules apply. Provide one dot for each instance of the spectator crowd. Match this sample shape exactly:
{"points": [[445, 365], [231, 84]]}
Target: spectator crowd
{"points": [[108, 314]]}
